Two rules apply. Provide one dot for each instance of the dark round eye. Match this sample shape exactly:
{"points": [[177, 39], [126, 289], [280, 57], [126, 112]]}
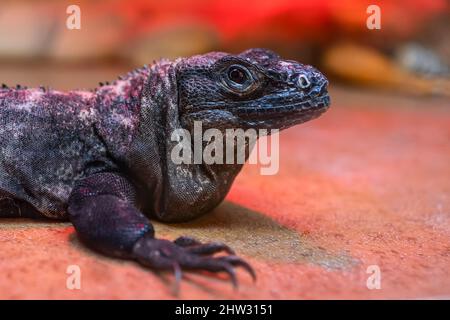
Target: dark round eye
{"points": [[239, 79], [238, 75]]}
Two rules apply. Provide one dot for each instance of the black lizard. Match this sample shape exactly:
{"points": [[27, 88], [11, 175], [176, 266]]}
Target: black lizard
{"points": [[102, 158]]}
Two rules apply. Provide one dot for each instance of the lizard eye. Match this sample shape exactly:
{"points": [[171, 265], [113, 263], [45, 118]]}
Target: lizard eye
{"points": [[237, 74], [238, 78]]}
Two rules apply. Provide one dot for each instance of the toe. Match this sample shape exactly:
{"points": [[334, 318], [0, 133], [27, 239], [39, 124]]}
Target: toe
{"points": [[236, 261], [210, 248], [184, 241], [164, 254]]}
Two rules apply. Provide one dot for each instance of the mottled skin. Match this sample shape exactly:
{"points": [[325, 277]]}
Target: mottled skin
{"points": [[102, 158]]}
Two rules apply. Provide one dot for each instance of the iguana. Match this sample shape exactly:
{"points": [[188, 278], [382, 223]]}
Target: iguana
{"points": [[101, 158]]}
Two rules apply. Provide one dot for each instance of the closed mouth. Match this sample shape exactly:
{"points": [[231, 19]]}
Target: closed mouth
{"points": [[280, 117], [316, 105]]}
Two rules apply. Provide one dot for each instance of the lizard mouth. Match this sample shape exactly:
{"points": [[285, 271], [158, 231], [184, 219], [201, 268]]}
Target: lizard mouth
{"points": [[274, 115], [284, 115], [311, 105]]}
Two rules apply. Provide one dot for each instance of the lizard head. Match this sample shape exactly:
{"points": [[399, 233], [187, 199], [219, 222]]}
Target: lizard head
{"points": [[254, 89]]}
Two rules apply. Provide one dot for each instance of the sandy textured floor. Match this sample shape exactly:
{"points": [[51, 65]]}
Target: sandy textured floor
{"points": [[366, 184]]}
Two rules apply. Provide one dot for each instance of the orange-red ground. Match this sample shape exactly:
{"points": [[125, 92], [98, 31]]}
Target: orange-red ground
{"points": [[366, 184]]}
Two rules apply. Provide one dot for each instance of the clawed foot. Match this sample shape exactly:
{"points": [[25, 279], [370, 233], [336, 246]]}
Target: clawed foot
{"points": [[188, 253]]}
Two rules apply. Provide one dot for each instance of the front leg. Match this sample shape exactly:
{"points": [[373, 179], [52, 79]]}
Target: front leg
{"points": [[103, 211]]}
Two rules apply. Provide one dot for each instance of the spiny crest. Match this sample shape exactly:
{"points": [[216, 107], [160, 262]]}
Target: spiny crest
{"points": [[21, 87]]}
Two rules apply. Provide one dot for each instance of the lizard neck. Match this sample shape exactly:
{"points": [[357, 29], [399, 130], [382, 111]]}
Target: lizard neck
{"points": [[176, 192]]}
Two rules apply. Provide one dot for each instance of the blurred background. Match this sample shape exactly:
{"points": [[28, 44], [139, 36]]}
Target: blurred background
{"points": [[409, 54], [367, 183]]}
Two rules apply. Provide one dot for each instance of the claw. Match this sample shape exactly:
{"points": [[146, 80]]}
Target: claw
{"points": [[188, 253], [229, 269], [197, 247], [236, 261], [178, 275], [211, 248]]}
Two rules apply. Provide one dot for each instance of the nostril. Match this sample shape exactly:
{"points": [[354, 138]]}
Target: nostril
{"points": [[303, 81]]}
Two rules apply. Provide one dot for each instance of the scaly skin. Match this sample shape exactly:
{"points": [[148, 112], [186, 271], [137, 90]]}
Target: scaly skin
{"points": [[102, 158]]}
